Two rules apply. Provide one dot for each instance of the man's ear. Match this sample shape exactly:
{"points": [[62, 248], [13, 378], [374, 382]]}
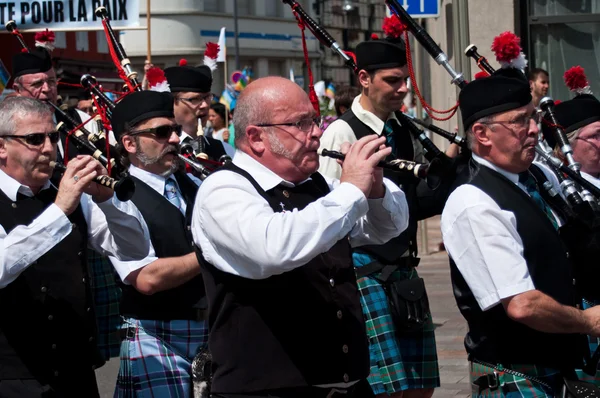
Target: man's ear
{"points": [[481, 134], [364, 79], [256, 137], [129, 143], [3, 152]]}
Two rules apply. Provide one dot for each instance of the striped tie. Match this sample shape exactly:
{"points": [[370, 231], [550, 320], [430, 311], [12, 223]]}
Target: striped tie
{"points": [[527, 180], [171, 193]]}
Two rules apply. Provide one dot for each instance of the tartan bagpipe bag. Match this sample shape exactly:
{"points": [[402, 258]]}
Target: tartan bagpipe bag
{"points": [[407, 298]]}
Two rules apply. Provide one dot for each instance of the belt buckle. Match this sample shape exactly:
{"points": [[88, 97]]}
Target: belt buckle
{"points": [[335, 390], [493, 381]]}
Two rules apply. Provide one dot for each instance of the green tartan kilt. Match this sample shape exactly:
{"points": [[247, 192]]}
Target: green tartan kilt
{"points": [[398, 362], [513, 386]]}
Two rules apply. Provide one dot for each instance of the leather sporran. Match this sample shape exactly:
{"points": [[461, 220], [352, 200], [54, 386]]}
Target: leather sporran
{"points": [[579, 389], [409, 304]]}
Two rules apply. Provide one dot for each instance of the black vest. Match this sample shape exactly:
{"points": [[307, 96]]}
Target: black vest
{"points": [[301, 328], [493, 337], [170, 234], [47, 320], [414, 189]]}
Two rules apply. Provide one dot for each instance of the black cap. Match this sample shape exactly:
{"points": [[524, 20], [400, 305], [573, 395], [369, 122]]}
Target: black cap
{"points": [[380, 54], [188, 78], [38, 60], [573, 114], [138, 107], [505, 90]]}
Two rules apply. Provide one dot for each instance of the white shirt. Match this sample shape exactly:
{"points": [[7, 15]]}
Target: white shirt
{"points": [[591, 178], [156, 182], [241, 234], [483, 241], [114, 227], [339, 132]]}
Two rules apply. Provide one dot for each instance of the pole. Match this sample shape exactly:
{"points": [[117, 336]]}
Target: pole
{"points": [[419, 113], [235, 34], [148, 32], [225, 88], [460, 25]]}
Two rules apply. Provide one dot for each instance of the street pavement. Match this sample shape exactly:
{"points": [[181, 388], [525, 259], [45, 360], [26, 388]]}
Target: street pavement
{"points": [[450, 325]]}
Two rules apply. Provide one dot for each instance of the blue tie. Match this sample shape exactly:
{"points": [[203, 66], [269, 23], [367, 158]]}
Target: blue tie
{"points": [[388, 130], [171, 193], [527, 180]]}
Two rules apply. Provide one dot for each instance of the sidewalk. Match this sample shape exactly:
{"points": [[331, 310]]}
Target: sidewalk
{"points": [[450, 325]]}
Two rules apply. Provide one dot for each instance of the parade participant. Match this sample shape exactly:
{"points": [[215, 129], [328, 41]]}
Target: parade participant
{"points": [[163, 295], [510, 271], [217, 116], [35, 77], [47, 324], [403, 357], [539, 81], [191, 89], [275, 238]]}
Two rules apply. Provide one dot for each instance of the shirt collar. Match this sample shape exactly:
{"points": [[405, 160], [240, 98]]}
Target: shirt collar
{"points": [[369, 118], [265, 178], [183, 136], [511, 176], [154, 181], [11, 187]]}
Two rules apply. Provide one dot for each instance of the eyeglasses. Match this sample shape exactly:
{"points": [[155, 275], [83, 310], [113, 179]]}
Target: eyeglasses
{"points": [[36, 139], [160, 132], [304, 124], [522, 121], [195, 101]]}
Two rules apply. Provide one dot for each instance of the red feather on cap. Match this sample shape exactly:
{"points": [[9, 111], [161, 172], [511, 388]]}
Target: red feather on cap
{"points": [[481, 75], [506, 46], [212, 50], [556, 102], [374, 36], [393, 26], [45, 36], [575, 78], [183, 62], [157, 81]]}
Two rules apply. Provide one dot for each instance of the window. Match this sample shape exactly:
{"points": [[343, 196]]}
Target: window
{"points": [[102, 44], [274, 8], [214, 6], [81, 41], [245, 7], [562, 34], [60, 40]]}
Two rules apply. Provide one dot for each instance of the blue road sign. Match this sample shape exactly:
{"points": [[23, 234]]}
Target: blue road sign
{"points": [[421, 8]]}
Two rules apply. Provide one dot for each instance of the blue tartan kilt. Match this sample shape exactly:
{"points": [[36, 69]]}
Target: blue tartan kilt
{"points": [[398, 362], [156, 358], [593, 343]]}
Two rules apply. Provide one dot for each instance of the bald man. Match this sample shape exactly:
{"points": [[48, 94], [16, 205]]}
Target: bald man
{"points": [[276, 240]]}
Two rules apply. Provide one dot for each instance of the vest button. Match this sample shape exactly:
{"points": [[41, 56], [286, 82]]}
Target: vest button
{"points": [[88, 309], [80, 254], [286, 193], [56, 373], [345, 349], [339, 314], [14, 205], [332, 282], [54, 346], [567, 254], [574, 282], [189, 227], [50, 317], [91, 339], [346, 378], [44, 289], [83, 280], [73, 225]]}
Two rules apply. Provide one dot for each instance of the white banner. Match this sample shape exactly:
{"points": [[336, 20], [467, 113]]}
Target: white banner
{"points": [[69, 14]]}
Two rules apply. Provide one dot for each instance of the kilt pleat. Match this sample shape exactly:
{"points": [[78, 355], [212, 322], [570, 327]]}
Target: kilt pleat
{"points": [[156, 358], [398, 361]]}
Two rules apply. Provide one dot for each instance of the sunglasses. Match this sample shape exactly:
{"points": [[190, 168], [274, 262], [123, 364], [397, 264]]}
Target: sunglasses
{"points": [[160, 132], [36, 139]]}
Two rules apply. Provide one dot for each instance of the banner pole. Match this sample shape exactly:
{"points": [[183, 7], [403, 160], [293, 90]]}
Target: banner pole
{"points": [[225, 88], [148, 31]]}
